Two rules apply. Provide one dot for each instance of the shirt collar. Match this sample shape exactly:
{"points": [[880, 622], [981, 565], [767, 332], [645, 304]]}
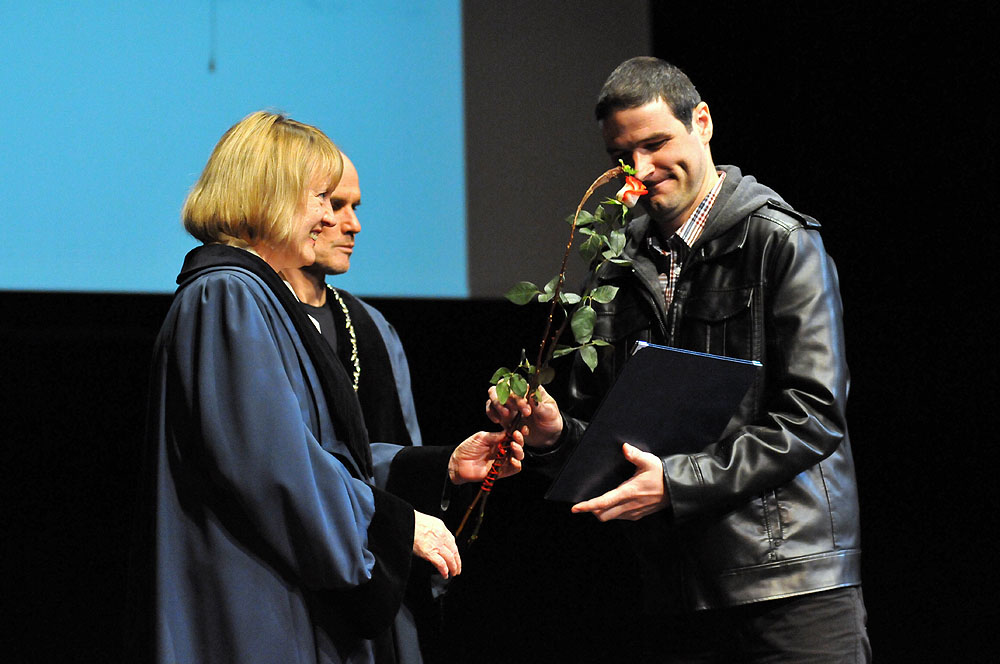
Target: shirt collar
{"points": [[692, 228]]}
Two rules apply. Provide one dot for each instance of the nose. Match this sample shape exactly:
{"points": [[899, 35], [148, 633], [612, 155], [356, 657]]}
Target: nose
{"points": [[643, 164], [328, 219], [351, 222]]}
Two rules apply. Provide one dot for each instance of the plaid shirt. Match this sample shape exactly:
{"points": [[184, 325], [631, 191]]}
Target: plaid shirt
{"points": [[669, 261]]}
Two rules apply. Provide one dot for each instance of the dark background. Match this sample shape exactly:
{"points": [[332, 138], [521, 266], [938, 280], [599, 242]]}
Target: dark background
{"points": [[867, 118]]}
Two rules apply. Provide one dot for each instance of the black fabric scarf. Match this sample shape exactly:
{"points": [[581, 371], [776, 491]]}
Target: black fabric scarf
{"points": [[377, 390], [341, 400]]}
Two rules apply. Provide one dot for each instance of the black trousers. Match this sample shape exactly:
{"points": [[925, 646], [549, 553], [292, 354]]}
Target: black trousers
{"points": [[823, 628]]}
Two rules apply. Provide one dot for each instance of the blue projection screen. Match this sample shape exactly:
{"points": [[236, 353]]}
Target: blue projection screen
{"points": [[110, 110]]}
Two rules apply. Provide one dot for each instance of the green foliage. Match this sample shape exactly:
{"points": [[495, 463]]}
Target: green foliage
{"points": [[503, 391], [511, 382], [582, 323], [563, 350], [616, 242], [588, 351], [583, 220], [605, 237], [591, 249], [549, 290], [522, 293], [603, 242], [603, 294], [499, 375]]}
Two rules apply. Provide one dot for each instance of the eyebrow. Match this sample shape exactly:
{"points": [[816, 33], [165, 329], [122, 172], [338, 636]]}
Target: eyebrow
{"points": [[344, 201], [652, 138]]}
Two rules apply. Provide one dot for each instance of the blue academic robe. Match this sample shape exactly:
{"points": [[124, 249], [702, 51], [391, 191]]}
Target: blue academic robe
{"points": [[269, 543]]}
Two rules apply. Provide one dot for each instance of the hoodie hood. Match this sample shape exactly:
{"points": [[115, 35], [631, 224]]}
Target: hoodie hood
{"points": [[740, 195]]}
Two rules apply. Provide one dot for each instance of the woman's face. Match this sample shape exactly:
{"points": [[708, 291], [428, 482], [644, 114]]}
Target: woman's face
{"points": [[315, 212]]}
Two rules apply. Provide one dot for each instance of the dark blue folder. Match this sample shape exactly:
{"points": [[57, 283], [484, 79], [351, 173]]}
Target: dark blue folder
{"points": [[664, 401]]}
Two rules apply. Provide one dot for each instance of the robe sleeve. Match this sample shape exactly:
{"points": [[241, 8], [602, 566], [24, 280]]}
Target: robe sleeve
{"points": [[240, 421], [400, 371]]}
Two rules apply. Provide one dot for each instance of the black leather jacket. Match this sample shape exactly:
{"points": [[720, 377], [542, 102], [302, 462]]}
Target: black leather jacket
{"points": [[770, 510]]}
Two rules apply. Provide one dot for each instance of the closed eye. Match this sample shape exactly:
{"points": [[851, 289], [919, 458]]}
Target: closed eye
{"points": [[647, 147]]}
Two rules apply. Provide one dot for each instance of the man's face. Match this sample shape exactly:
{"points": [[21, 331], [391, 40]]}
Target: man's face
{"points": [[335, 243], [671, 161]]}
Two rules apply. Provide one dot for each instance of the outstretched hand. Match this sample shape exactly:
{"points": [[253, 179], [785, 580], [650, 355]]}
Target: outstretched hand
{"points": [[433, 542], [543, 421], [642, 494], [471, 461]]}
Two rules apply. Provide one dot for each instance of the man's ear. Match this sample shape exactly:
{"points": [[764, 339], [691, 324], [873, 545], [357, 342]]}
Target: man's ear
{"points": [[701, 122]]}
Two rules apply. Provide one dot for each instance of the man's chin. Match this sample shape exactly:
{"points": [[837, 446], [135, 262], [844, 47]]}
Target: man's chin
{"points": [[322, 268], [655, 209], [333, 268]]}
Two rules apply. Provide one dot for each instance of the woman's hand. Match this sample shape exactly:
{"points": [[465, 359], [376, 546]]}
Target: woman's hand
{"points": [[433, 542]]}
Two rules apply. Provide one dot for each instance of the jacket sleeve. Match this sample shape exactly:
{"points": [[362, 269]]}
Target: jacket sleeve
{"points": [[801, 419], [237, 426]]}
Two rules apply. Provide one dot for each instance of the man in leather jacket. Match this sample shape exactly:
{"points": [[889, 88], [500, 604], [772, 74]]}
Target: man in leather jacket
{"points": [[751, 545]]}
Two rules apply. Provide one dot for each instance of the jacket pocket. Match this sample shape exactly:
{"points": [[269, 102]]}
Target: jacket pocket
{"points": [[771, 513], [624, 318], [719, 322]]}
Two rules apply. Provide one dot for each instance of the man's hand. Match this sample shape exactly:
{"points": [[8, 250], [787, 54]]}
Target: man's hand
{"points": [[636, 497], [471, 461], [543, 420], [433, 542]]}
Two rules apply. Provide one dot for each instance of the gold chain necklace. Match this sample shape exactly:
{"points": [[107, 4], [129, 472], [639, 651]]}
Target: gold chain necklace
{"points": [[350, 333]]}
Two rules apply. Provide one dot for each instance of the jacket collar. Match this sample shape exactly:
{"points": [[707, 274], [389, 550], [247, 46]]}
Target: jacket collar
{"points": [[726, 228]]}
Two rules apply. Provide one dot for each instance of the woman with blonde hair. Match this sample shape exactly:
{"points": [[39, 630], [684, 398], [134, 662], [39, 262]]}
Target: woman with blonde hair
{"points": [[266, 537]]}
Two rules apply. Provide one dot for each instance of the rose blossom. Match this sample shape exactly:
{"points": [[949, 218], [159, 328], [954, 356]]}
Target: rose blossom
{"points": [[630, 193]]}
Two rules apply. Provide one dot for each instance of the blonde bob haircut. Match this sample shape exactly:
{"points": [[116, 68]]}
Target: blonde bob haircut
{"points": [[254, 184]]}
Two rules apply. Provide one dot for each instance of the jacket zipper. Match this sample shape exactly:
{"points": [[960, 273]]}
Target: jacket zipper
{"points": [[656, 303]]}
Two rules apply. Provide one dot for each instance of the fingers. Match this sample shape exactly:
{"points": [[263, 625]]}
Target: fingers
{"points": [[601, 503], [542, 396], [642, 494], [471, 460], [516, 454], [517, 444], [615, 504], [493, 439], [494, 410], [433, 542], [513, 463], [622, 492], [503, 413], [447, 564], [638, 458], [449, 561]]}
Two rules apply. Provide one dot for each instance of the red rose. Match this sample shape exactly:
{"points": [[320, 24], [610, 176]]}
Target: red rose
{"points": [[630, 193]]}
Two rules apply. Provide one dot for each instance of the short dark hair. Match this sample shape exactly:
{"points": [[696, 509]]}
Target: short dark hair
{"points": [[639, 81]]}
